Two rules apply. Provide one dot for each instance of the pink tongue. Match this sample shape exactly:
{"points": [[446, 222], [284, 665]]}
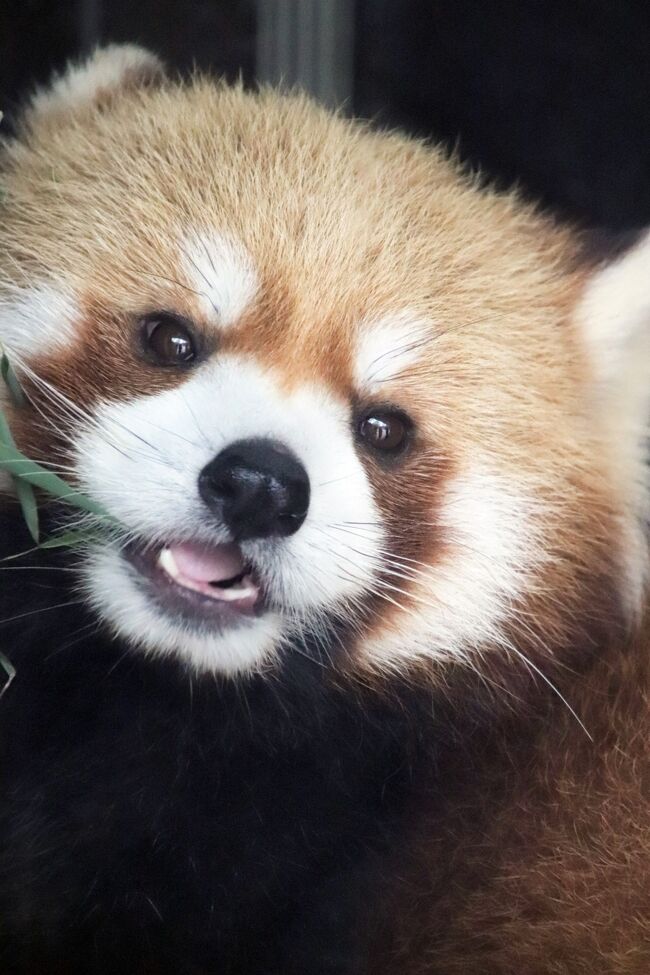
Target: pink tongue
{"points": [[208, 564]]}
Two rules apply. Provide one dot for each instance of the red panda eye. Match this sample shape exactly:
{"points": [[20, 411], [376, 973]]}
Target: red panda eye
{"points": [[167, 339], [385, 430]]}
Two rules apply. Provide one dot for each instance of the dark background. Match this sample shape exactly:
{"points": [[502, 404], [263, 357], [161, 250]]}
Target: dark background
{"points": [[554, 94]]}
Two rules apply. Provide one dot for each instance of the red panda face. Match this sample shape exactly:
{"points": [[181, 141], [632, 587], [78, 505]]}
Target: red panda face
{"points": [[332, 390]]}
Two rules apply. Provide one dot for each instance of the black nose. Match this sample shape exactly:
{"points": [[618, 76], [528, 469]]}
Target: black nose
{"points": [[258, 488]]}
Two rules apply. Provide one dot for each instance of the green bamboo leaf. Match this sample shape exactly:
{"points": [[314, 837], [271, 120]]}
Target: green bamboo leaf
{"points": [[19, 466], [24, 491], [27, 501], [27, 474], [10, 378], [5, 432], [70, 539], [9, 670]]}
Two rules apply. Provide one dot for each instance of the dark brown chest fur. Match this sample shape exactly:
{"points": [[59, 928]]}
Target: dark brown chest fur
{"points": [[168, 824]]}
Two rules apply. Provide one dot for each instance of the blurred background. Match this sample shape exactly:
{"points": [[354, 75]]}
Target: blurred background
{"points": [[552, 94]]}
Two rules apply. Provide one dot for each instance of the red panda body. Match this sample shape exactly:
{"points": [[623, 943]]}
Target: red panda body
{"points": [[355, 679]]}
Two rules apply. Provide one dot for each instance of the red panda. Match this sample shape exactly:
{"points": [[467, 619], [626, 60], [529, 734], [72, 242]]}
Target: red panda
{"points": [[356, 680]]}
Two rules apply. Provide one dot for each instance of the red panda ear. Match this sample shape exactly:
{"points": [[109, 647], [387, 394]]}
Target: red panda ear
{"points": [[84, 84], [614, 314], [614, 318]]}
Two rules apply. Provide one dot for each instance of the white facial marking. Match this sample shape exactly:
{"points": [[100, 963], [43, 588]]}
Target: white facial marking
{"points": [[463, 600], [142, 460], [386, 348], [221, 272], [37, 320]]}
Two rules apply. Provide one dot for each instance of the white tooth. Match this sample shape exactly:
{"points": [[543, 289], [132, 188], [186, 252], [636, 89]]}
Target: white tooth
{"points": [[245, 588], [167, 562], [230, 595]]}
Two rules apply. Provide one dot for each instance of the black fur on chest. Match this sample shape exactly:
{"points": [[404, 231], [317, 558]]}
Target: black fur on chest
{"points": [[153, 821]]}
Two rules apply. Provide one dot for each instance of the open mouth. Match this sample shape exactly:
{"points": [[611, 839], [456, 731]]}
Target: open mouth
{"points": [[200, 582]]}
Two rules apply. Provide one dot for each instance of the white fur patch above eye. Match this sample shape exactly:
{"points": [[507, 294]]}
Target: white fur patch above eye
{"points": [[37, 320], [222, 274], [388, 347]]}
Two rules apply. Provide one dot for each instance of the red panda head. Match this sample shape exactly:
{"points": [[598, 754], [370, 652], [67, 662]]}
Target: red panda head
{"points": [[335, 391]]}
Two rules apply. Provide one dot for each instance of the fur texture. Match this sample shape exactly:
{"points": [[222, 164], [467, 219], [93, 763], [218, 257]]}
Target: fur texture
{"points": [[426, 751]]}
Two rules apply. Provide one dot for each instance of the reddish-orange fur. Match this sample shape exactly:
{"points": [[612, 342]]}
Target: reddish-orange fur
{"points": [[539, 862], [543, 867]]}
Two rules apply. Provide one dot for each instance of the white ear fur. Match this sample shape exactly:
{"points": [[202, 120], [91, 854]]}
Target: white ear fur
{"points": [[614, 315], [107, 70]]}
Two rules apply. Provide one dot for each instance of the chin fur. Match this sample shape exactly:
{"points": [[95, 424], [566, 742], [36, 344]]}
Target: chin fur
{"points": [[116, 594]]}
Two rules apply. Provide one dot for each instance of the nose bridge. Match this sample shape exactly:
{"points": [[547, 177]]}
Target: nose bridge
{"points": [[237, 398], [300, 332], [232, 399]]}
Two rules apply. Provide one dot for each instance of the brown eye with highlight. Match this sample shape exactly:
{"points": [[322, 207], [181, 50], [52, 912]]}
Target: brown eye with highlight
{"points": [[167, 339], [385, 430]]}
